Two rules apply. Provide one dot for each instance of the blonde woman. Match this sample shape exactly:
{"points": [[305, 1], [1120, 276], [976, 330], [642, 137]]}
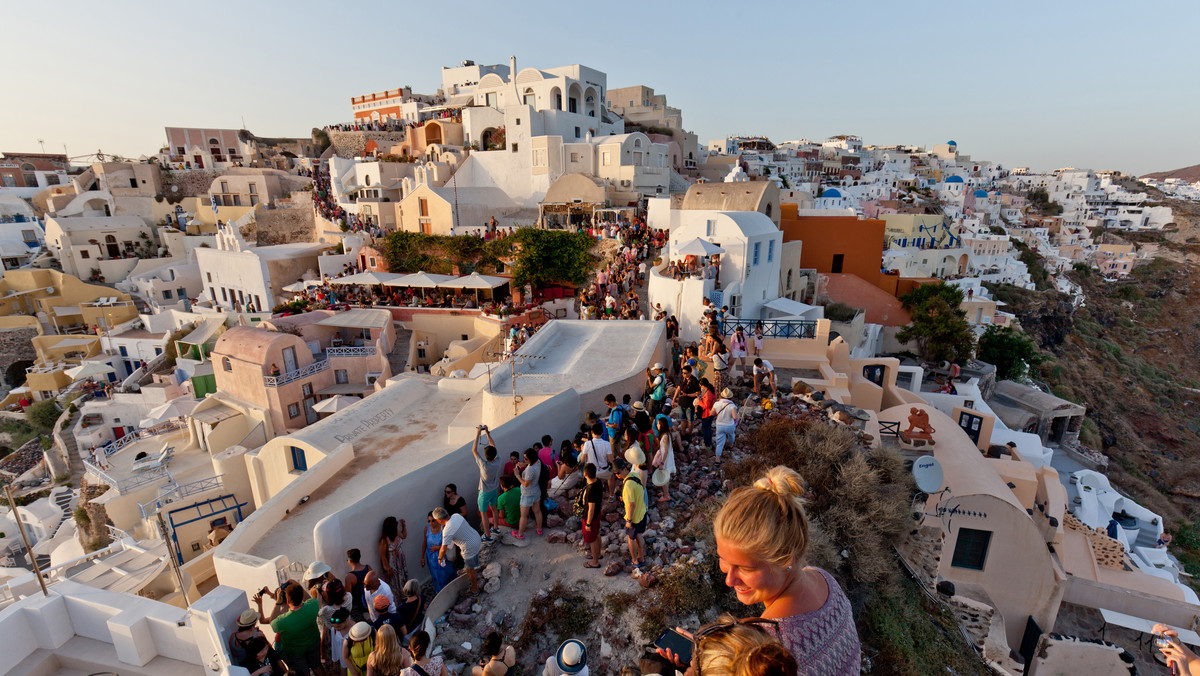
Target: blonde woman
{"points": [[732, 647], [762, 537], [388, 658]]}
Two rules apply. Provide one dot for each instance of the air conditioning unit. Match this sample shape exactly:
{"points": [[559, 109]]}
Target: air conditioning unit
{"points": [[374, 376], [421, 343]]}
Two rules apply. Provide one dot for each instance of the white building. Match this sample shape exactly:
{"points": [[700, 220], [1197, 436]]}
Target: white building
{"points": [[107, 244], [749, 275], [240, 277]]}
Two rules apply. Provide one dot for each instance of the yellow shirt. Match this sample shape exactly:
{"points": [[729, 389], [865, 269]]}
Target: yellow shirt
{"points": [[633, 493]]}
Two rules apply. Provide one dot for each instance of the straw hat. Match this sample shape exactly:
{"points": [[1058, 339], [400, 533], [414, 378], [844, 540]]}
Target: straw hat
{"points": [[571, 656], [639, 406], [248, 619], [726, 393], [660, 477], [635, 456], [360, 631], [315, 570]]}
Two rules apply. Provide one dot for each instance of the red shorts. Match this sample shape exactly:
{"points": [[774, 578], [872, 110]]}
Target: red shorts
{"points": [[591, 533]]}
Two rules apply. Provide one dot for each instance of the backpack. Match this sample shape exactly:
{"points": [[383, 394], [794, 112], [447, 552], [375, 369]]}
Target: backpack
{"points": [[579, 508]]}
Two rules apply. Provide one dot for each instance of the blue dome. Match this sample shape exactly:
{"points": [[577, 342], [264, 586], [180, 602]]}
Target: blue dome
{"points": [[951, 143], [981, 193], [832, 192], [954, 179]]}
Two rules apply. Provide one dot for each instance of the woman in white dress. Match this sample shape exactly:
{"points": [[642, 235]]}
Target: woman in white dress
{"points": [[664, 457]]}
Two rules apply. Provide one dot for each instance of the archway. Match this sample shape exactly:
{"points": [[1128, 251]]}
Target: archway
{"points": [[962, 264], [574, 97], [433, 133], [556, 99], [590, 105], [110, 243]]}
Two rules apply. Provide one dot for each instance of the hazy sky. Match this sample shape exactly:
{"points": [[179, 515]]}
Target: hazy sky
{"points": [[1044, 84]]}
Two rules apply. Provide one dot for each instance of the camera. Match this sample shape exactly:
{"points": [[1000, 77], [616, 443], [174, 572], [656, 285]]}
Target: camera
{"points": [[1161, 641]]}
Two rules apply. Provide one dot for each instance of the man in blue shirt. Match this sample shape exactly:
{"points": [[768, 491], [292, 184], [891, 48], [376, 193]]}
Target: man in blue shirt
{"points": [[615, 424]]}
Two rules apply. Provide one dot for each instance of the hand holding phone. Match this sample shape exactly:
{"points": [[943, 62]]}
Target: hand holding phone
{"points": [[676, 646]]}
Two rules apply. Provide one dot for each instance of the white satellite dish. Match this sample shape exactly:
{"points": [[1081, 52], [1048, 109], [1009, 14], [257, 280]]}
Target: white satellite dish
{"points": [[928, 473]]}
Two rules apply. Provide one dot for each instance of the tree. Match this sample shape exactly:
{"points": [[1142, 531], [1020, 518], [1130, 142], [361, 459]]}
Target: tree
{"points": [[1010, 350], [44, 414], [939, 326], [551, 256]]}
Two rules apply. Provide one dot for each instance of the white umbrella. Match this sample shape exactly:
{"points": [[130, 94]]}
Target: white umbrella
{"points": [[698, 247], [297, 287], [171, 409], [89, 369], [335, 403], [421, 280], [367, 278], [475, 281]]}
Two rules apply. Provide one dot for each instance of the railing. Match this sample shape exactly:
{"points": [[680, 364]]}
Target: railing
{"points": [[290, 376], [148, 509], [773, 328], [116, 534], [144, 433], [361, 351], [124, 486]]}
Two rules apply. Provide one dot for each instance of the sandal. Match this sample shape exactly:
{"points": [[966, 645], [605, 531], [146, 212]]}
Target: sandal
{"points": [[517, 535], [591, 564]]}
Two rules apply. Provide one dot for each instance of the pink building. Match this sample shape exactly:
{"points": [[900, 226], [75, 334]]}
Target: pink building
{"points": [[336, 353]]}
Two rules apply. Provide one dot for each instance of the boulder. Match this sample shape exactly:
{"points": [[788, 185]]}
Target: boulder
{"points": [[556, 536], [511, 541], [613, 568], [647, 580], [464, 606], [492, 586], [554, 521], [492, 571]]}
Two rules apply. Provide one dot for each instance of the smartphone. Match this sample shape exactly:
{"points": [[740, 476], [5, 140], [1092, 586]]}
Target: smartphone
{"points": [[677, 643]]}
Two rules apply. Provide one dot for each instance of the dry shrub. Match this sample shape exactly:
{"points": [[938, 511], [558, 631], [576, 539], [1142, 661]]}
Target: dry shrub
{"points": [[563, 613]]}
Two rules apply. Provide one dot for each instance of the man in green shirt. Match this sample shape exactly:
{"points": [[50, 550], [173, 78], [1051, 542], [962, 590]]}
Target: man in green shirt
{"points": [[297, 633], [509, 501]]}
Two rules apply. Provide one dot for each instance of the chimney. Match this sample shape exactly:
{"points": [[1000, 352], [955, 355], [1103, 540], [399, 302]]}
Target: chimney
{"points": [[512, 68]]}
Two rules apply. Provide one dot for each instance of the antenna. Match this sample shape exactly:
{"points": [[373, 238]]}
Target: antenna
{"points": [[42, 143], [928, 473]]}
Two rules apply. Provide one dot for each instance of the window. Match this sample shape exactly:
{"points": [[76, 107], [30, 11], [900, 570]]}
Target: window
{"points": [[226, 364], [422, 207], [209, 276], [293, 410], [710, 228], [157, 351], [306, 388], [757, 249], [299, 463], [770, 251], [224, 294], [257, 302], [341, 377], [133, 183], [83, 253], [224, 186], [253, 200], [420, 353], [371, 261], [179, 150], [574, 157], [214, 142], [577, 135], [232, 151], [514, 147], [518, 122], [970, 550], [212, 293], [606, 158], [253, 189], [237, 200], [124, 351], [166, 294]]}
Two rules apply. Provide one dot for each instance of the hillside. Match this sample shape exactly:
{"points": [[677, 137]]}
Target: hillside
{"points": [[1129, 355], [1189, 174]]}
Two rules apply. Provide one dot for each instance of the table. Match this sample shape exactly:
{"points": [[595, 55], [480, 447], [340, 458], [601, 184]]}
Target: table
{"points": [[1144, 627]]}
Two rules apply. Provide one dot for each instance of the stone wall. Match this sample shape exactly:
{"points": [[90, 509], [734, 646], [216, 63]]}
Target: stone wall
{"points": [[348, 144], [16, 345], [191, 183], [291, 222]]}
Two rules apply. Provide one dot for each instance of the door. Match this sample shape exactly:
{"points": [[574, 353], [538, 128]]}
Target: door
{"points": [[118, 432], [309, 414], [971, 424], [837, 263], [289, 359]]}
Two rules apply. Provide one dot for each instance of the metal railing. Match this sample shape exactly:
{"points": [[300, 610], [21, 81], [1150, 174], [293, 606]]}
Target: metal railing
{"points": [[290, 376], [124, 486], [350, 351], [144, 433], [116, 534], [773, 328], [148, 509]]}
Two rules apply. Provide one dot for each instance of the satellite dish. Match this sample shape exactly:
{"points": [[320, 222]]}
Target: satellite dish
{"points": [[928, 473]]}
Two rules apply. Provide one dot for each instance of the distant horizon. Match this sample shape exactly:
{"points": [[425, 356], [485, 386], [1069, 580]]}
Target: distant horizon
{"points": [[1021, 86]]}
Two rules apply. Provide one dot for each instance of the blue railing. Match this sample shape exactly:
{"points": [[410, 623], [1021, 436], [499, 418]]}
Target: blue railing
{"points": [[773, 328]]}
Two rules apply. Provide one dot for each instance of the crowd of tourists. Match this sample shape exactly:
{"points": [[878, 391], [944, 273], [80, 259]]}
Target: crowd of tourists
{"points": [[612, 293]]}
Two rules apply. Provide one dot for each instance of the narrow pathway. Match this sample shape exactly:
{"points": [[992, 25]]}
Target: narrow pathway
{"points": [[398, 358]]}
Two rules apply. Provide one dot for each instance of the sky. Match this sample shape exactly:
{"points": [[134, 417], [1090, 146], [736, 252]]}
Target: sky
{"points": [[1047, 84]]}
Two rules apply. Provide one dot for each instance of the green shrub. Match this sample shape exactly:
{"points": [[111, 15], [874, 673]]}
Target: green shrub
{"points": [[840, 312], [82, 518], [44, 414]]}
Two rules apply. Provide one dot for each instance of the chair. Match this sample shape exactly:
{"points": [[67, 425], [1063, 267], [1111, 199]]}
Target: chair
{"points": [[159, 461]]}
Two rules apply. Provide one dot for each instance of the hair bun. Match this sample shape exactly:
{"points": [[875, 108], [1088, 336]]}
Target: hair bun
{"points": [[767, 659], [783, 481]]}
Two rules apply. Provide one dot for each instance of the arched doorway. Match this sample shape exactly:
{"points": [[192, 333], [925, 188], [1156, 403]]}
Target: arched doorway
{"points": [[110, 243]]}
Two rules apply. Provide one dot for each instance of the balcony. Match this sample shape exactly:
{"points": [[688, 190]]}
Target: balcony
{"points": [[351, 351], [302, 372]]}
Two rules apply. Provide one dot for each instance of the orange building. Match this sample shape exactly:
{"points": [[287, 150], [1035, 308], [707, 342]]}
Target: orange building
{"points": [[379, 106], [836, 244]]}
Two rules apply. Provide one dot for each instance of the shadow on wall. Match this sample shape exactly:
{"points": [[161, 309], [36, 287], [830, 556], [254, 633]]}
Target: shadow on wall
{"points": [[413, 495]]}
